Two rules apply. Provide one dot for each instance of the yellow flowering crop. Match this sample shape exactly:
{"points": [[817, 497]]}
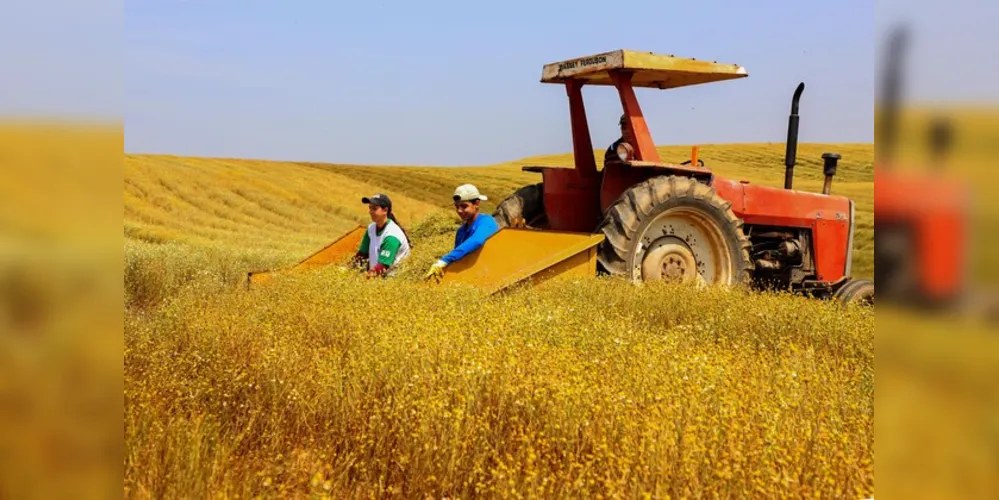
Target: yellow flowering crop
{"points": [[327, 384]]}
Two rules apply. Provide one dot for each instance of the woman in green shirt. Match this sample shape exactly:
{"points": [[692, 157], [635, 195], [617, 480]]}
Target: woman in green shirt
{"points": [[385, 244]]}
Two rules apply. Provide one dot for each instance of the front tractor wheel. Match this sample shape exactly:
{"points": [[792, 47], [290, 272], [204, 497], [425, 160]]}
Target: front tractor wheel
{"points": [[524, 208], [675, 229], [856, 291]]}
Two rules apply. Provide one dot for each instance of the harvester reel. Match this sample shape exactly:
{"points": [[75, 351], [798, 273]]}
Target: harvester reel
{"points": [[675, 229]]}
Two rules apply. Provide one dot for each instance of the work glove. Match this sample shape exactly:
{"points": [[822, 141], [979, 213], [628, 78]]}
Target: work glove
{"points": [[436, 271]]}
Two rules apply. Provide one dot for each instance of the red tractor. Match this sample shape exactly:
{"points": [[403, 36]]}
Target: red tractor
{"points": [[666, 221], [921, 217]]}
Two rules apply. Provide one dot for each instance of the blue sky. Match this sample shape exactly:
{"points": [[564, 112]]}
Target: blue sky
{"points": [[456, 83], [61, 58]]}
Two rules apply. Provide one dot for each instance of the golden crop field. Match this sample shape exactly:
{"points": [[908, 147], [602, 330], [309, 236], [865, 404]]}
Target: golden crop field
{"points": [[328, 385]]}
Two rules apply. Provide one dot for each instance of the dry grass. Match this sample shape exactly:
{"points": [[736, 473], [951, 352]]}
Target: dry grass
{"points": [[329, 385]]}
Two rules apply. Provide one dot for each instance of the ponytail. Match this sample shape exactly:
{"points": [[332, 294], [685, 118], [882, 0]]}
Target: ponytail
{"points": [[391, 217]]}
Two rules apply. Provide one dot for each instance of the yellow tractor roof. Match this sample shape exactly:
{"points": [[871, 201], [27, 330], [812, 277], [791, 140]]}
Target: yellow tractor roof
{"points": [[649, 70]]}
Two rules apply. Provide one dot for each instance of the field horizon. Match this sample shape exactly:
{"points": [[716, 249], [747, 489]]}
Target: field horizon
{"points": [[598, 152]]}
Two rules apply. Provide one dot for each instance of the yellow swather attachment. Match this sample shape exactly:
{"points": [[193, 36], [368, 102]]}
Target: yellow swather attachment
{"points": [[514, 255], [335, 252]]}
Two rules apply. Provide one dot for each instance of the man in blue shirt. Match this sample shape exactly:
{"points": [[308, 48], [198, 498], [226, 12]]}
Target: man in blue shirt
{"points": [[475, 229]]}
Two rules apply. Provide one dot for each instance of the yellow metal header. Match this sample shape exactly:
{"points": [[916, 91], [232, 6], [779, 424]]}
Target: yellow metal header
{"points": [[513, 255], [649, 70], [335, 252]]}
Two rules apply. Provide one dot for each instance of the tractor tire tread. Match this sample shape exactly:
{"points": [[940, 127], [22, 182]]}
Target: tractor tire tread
{"points": [[643, 198], [854, 290], [525, 203]]}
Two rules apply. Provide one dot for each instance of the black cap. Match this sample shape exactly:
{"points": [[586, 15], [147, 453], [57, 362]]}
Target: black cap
{"points": [[380, 199]]}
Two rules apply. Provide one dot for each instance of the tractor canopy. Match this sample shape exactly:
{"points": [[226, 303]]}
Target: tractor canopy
{"points": [[623, 70], [647, 69]]}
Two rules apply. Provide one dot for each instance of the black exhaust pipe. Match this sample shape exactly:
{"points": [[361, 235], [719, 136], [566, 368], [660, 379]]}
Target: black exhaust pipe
{"points": [[886, 111], [790, 155]]}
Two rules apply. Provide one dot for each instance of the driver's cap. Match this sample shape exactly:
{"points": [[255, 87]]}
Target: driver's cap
{"points": [[467, 192], [380, 199]]}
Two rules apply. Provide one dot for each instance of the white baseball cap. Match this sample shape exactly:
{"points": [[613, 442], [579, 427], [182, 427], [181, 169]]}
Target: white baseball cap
{"points": [[467, 192]]}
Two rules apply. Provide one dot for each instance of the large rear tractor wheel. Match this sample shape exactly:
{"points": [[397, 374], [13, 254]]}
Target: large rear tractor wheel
{"points": [[675, 229], [857, 291], [525, 207]]}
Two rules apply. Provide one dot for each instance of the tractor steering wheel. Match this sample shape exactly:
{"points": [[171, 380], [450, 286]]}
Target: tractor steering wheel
{"points": [[700, 162]]}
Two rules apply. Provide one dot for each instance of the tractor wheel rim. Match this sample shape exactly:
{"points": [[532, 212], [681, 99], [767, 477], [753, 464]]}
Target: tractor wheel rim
{"points": [[692, 239], [672, 261]]}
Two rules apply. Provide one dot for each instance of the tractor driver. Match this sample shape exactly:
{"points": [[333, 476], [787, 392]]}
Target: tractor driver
{"points": [[623, 148], [475, 229]]}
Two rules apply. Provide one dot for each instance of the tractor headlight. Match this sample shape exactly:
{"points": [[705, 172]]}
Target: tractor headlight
{"points": [[625, 152]]}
